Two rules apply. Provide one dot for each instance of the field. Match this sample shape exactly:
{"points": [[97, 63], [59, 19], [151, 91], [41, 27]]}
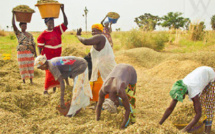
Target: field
{"points": [[160, 58]]}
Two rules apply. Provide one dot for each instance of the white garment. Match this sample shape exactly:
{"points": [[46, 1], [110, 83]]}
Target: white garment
{"points": [[198, 79], [102, 61], [81, 93]]}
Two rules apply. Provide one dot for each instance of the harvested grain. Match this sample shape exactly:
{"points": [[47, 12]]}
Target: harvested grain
{"points": [[46, 1], [113, 15], [23, 8]]}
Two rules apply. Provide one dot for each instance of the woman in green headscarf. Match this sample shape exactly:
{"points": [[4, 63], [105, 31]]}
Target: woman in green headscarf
{"points": [[200, 87]]}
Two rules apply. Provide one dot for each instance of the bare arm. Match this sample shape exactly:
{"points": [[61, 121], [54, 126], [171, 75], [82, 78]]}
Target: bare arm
{"points": [[64, 16], [198, 110], [168, 111], [62, 87], [126, 105], [35, 52], [15, 29], [110, 29], [99, 105], [103, 20], [34, 46], [90, 41], [40, 49]]}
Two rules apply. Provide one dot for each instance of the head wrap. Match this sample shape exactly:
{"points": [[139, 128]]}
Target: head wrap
{"points": [[98, 26], [48, 19], [178, 90], [106, 22], [110, 106], [40, 60]]}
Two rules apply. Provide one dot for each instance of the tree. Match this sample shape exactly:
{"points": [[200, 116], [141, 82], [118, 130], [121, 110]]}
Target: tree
{"points": [[118, 29], [175, 20], [147, 21], [85, 14], [213, 22]]}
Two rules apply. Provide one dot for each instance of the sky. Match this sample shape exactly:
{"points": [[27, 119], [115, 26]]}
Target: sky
{"points": [[196, 10]]}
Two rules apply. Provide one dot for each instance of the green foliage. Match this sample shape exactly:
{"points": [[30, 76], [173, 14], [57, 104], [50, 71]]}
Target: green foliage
{"points": [[147, 21], [12, 36], [174, 20], [197, 31], [213, 22], [136, 38]]}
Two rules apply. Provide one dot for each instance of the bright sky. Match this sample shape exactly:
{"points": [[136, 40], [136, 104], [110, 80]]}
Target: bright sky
{"points": [[196, 10]]}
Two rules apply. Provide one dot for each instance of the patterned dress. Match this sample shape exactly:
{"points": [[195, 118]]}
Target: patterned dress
{"points": [[25, 54], [208, 102], [106, 32]]}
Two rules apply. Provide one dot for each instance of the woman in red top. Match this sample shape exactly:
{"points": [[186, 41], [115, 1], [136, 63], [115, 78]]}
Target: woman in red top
{"points": [[49, 43]]}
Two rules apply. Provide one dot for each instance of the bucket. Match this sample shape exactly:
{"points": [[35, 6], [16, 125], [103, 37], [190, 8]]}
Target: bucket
{"points": [[199, 128], [49, 10], [112, 20], [23, 17]]}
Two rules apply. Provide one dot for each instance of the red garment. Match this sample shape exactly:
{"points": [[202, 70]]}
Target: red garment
{"points": [[50, 41], [50, 81]]}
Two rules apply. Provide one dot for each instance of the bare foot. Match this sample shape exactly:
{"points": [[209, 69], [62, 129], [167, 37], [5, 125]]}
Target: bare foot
{"points": [[54, 89], [45, 92]]}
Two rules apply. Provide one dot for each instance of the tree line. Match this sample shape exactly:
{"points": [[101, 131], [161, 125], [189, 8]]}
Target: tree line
{"points": [[148, 22]]}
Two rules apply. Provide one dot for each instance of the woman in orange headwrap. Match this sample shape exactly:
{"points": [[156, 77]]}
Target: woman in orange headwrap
{"points": [[103, 59]]}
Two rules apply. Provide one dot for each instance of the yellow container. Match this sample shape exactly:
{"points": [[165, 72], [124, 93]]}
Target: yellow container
{"points": [[49, 10], [199, 128]]}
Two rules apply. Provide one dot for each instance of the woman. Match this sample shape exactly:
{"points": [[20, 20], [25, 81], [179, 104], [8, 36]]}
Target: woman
{"points": [[200, 87], [121, 87], [25, 50], [75, 68], [103, 59], [49, 43], [107, 30]]}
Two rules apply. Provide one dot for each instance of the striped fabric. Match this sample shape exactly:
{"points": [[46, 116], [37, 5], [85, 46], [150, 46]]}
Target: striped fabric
{"points": [[26, 64]]}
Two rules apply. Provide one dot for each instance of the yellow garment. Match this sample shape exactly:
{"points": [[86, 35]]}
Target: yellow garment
{"points": [[98, 26]]}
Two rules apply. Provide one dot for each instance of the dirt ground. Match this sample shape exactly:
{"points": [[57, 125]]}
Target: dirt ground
{"points": [[24, 108]]}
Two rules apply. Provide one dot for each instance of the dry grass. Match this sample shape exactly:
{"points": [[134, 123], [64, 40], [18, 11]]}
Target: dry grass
{"points": [[24, 105], [2, 33]]}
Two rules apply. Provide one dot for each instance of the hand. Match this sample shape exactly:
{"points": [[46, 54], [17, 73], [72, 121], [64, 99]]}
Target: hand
{"points": [[111, 23], [122, 127], [63, 106], [62, 7], [79, 31]]}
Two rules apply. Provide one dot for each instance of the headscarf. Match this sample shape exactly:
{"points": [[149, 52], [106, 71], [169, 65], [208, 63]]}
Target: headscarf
{"points": [[110, 106], [48, 19], [178, 90], [98, 26], [40, 60]]}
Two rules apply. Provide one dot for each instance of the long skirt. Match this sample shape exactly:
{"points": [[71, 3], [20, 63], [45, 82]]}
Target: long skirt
{"points": [[131, 93], [26, 64], [95, 87], [81, 93], [208, 102]]}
